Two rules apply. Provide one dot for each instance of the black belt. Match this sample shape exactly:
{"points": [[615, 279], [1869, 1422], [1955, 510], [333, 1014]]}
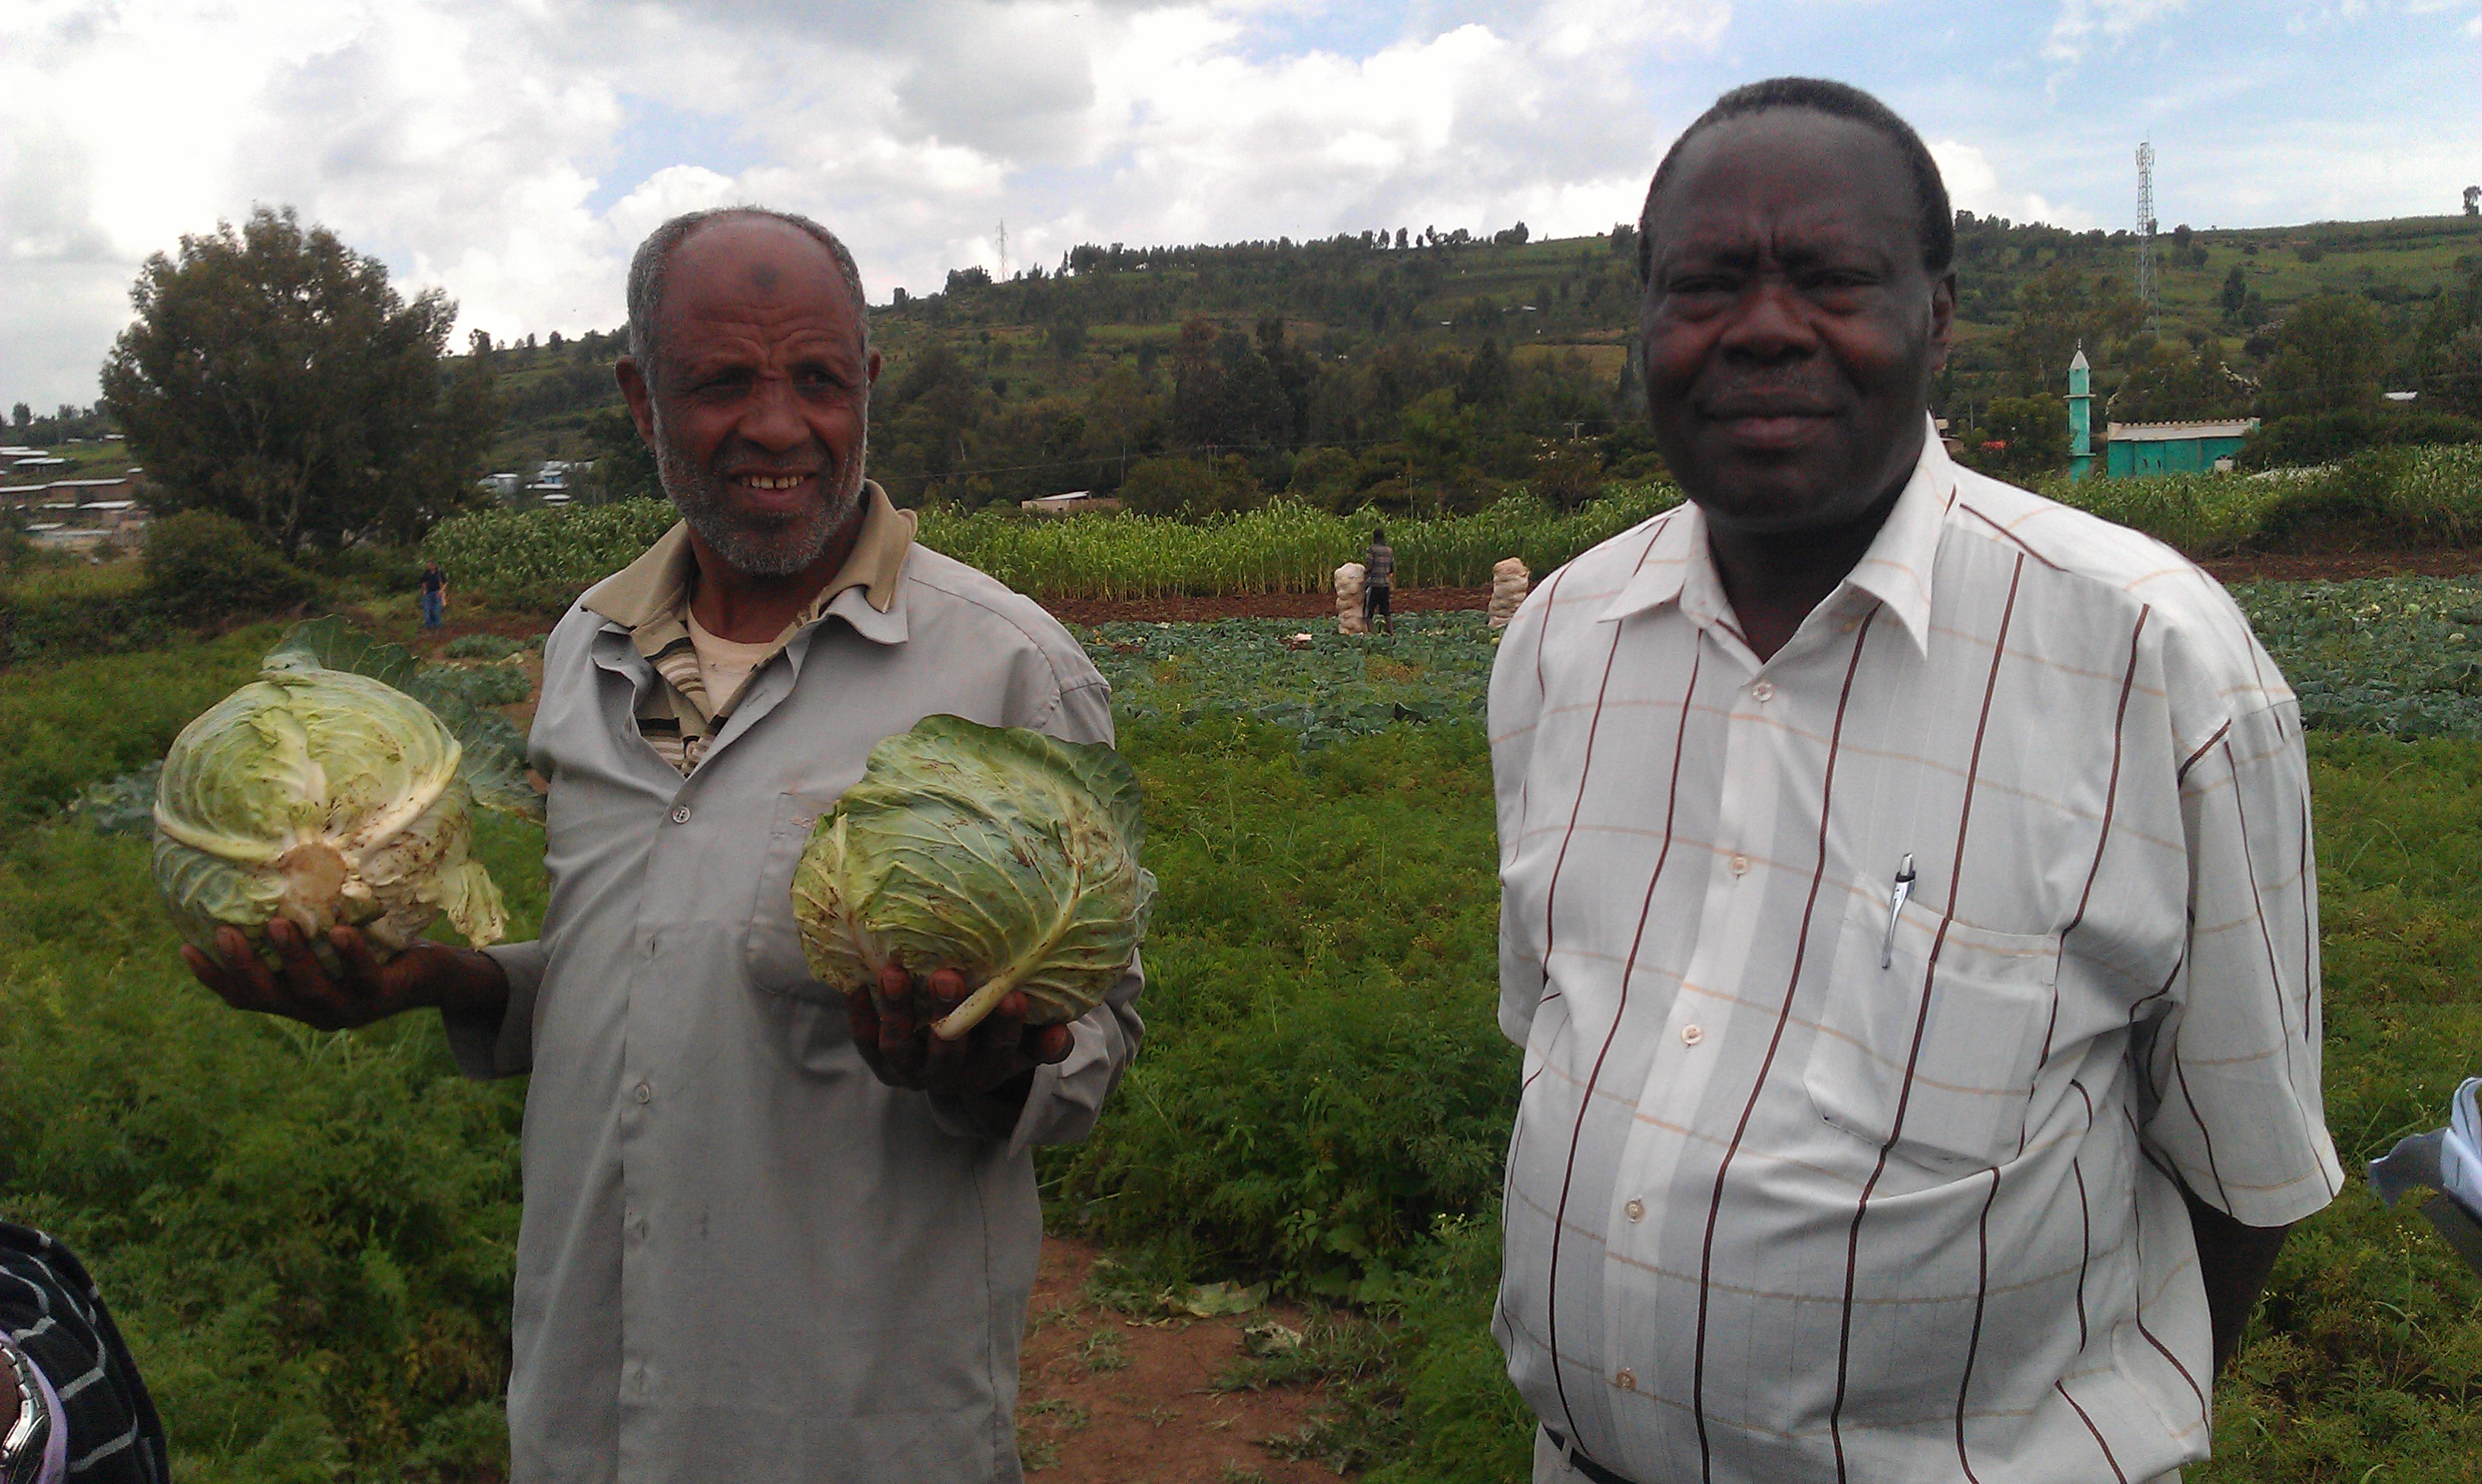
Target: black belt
{"points": [[1584, 1464]]}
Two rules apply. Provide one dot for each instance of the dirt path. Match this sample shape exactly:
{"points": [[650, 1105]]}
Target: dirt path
{"points": [[1251, 605], [1106, 1398]]}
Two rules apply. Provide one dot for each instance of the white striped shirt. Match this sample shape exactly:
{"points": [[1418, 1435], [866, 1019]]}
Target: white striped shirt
{"points": [[1779, 1212]]}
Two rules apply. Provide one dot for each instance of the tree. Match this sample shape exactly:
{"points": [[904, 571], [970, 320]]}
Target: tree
{"points": [[2235, 293], [2171, 386], [2021, 436], [2453, 381], [2057, 310], [2329, 352], [273, 376], [21, 415]]}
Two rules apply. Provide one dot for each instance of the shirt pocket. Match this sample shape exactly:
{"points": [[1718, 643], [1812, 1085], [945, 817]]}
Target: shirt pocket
{"points": [[1942, 1082], [774, 941]]}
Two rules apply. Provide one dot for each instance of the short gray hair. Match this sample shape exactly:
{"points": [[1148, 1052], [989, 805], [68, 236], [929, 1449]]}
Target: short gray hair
{"points": [[654, 258]]}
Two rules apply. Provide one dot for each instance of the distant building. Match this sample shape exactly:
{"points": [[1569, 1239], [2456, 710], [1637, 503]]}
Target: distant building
{"points": [[2081, 416], [502, 486], [2146, 447], [2174, 448], [122, 487], [90, 525], [1074, 501]]}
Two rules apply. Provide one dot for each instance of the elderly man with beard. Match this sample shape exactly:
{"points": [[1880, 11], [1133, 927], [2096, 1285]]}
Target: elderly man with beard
{"points": [[768, 1234]]}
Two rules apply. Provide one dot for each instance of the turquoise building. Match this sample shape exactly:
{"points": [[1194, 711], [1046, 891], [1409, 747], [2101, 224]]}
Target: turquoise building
{"points": [[2081, 416], [2174, 448], [2146, 447]]}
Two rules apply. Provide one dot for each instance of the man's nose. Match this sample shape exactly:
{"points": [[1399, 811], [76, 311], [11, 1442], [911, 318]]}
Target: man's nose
{"points": [[774, 420], [1769, 325]]}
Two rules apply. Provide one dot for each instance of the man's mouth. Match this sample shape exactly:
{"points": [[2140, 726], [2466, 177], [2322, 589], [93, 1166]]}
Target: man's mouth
{"points": [[770, 482]]}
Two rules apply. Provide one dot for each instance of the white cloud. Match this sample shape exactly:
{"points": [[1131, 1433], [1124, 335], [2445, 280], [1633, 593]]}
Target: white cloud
{"points": [[473, 145], [1973, 185], [2081, 21], [513, 155]]}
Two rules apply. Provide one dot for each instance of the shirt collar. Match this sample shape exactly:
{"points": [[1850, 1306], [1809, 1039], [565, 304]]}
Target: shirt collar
{"points": [[1678, 566], [649, 597]]}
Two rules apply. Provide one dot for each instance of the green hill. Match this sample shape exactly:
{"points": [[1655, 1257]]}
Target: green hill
{"points": [[1438, 374]]}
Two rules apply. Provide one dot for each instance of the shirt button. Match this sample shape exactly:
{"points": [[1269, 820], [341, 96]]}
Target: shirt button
{"points": [[1626, 1380], [644, 1093], [1848, 626], [681, 815], [1636, 1211], [1764, 691], [1691, 1035], [1740, 865]]}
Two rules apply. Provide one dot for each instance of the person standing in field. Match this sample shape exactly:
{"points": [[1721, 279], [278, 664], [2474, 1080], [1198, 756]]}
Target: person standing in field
{"points": [[1907, 911], [435, 595], [1379, 578], [769, 1235]]}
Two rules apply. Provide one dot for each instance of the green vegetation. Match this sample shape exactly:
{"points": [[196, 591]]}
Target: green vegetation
{"points": [[2387, 499], [1359, 370], [273, 376], [544, 559], [202, 565], [308, 1236]]}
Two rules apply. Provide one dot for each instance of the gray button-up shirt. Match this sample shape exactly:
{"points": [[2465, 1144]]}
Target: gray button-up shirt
{"points": [[742, 1257]]}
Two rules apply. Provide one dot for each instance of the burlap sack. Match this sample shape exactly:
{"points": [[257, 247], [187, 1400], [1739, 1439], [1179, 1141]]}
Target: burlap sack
{"points": [[1509, 581], [1348, 600]]}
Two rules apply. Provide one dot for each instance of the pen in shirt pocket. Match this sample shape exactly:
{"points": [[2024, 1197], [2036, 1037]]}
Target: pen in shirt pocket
{"points": [[1896, 897]]}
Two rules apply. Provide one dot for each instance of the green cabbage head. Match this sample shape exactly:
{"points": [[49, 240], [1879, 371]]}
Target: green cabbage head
{"points": [[1000, 852], [326, 798]]}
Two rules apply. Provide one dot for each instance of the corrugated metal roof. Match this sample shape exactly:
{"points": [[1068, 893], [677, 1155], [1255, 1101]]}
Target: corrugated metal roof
{"points": [[2169, 432]]}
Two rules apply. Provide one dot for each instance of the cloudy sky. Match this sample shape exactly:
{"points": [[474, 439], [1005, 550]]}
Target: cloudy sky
{"points": [[514, 151]]}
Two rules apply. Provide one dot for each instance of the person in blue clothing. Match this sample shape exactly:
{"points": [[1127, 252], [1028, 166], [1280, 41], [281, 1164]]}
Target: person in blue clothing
{"points": [[435, 594]]}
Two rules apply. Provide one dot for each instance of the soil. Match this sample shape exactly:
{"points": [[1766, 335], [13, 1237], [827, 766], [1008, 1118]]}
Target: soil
{"points": [[2336, 566], [1108, 1398]]}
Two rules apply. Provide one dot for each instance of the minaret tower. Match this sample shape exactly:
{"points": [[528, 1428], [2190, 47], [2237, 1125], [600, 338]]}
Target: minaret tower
{"points": [[2081, 416]]}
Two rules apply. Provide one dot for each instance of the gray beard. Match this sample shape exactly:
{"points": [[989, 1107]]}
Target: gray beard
{"points": [[756, 546]]}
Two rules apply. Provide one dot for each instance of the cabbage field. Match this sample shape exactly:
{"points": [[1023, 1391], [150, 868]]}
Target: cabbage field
{"points": [[307, 1235]]}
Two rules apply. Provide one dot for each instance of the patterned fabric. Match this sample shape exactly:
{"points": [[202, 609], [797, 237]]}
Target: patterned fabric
{"points": [[1379, 570], [1810, 1185], [650, 598], [56, 1314]]}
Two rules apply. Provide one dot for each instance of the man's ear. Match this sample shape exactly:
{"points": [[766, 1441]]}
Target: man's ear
{"points": [[870, 365], [640, 397], [1942, 316]]}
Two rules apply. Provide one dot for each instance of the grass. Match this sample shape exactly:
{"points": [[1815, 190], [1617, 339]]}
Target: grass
{"points": [[308, 1238], [67, 725]]}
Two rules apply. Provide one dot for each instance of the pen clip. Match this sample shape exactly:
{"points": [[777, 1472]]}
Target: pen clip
{"points": [[1904, 889]]}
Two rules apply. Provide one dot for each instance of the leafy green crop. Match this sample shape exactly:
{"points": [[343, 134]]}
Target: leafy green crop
{"points": [[2400, 655], [329, 797], [1325, 687], [997, 851], [546, 557]]}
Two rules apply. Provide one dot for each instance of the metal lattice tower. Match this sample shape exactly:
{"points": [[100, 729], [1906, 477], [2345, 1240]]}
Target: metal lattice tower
{"points": [[1002, 235], [2146, 291]]}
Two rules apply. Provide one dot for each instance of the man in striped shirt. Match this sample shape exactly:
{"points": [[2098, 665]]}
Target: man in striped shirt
{"points": [[1908, 912]]}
